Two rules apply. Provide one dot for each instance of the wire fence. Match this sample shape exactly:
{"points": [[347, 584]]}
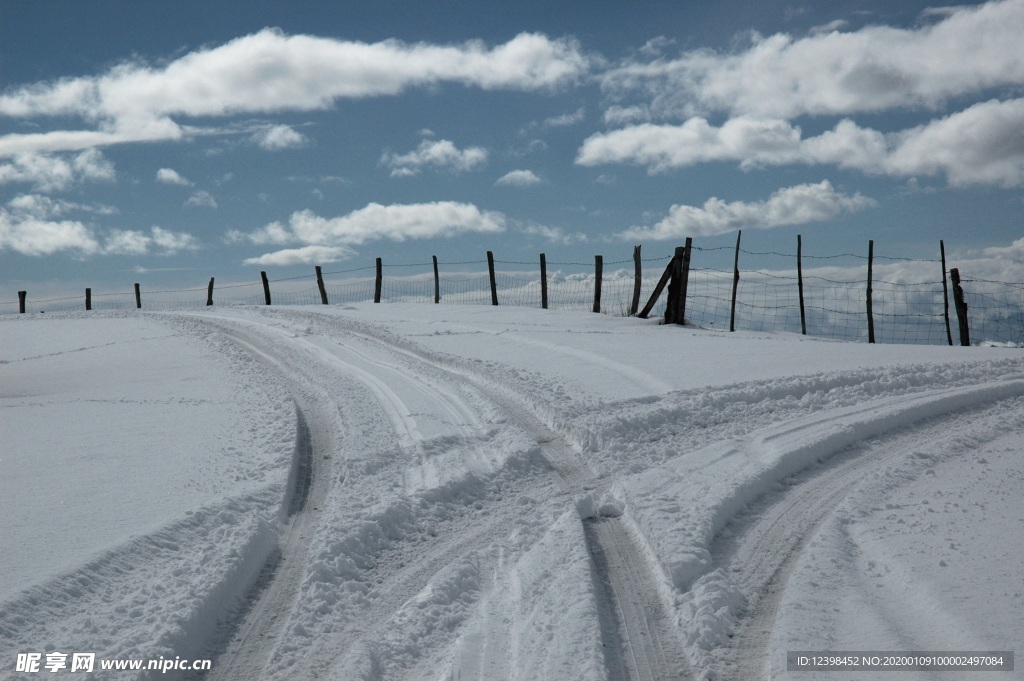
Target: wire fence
{"points": [[910, 302]]}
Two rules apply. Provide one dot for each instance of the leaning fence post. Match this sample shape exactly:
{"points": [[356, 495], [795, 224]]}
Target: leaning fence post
{"points": [[437, 282], [871, 319], [598, 275], [735, 282], [961, 307], [494, 283], [377, 284], [21, 301], [266, 287], [543, 282], [88, 299], [138, 297], [320, 284], [945, 292], [209, 293], [800, 283], [637, 280]]}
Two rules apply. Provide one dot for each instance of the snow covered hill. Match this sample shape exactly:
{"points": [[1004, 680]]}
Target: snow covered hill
{"points": [[437, 492]]}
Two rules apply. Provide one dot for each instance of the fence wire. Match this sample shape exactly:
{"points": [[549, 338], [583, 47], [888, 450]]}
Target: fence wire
{"points": [[908, 306]]}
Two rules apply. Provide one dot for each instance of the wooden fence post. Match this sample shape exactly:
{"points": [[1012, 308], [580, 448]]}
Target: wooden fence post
{"points": [[494, 283], [543, 282], [138, 297], [21, 301], [961, 307], [800, 283], [871, 319], [598, 275], [437, 282], [675, 311], [735, 282], [685, 274], [209, 293], [266, 287], [379, 281], [88, 299], [945, 292], [320, 284], [637, 280], [665, 277]]}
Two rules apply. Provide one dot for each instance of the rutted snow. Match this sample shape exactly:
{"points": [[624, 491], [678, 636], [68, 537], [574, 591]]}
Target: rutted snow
{"points": [[446, 546]]}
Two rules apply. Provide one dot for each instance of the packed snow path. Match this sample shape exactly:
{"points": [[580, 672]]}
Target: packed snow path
{"points": [[491, 494]]}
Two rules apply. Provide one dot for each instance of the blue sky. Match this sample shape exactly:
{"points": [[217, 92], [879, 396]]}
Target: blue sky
{"points": [[170, 142]]}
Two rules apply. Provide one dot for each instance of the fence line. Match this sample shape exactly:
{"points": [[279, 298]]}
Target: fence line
{"points": [[900, 300]]}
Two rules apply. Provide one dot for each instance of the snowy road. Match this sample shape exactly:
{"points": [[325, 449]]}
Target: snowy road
{"points": [[485, 494]]}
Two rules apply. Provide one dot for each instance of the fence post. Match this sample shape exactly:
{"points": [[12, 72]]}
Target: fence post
{"points": [[21, 301], [543, 282], [494, 283], [871, 319], [685, 273], [637, 280], [675, 311], [138, 297], [735, 282], [320, 284], [88, 299], [437, 282], [598, 275], [209, 293], [266, 288], [666, 275], [945, 292], [961, 307], [800, 283], [377, 284]]}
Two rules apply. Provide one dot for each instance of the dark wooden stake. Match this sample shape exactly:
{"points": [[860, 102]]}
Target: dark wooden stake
{"points": [[543, 282], [320, 284], [871, 319], [437, 282], [598, 276], [494, 283], [209, 293], [800, 283], [945, 292], [88, 299], [138, 297], [685, 275], [380, 278], [961, 307], [266, 288], [735, 282], [665, 277], [21, 301], [674, 284], [637, 280]]}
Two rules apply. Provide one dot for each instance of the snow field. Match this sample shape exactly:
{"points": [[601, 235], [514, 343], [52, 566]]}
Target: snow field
{"points": [[444, 534]]}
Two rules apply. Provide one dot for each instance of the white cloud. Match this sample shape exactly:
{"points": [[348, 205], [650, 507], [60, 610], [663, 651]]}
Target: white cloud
{"points": [[201, 199], [980, 145], [32, 236], [519, 178], [442, 154], [555, 235], [269, 71], [396, 222], [306, 255], [170, 176], [49, 173], [790, 206], [566, 120], [969, 50], [279, 137]]}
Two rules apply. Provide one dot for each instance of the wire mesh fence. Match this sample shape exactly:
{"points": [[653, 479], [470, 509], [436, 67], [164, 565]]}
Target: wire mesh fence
{"points": [[820, 295]]}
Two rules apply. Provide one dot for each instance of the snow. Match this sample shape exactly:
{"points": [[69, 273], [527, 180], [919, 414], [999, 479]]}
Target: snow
{"points": [[405, 491]]}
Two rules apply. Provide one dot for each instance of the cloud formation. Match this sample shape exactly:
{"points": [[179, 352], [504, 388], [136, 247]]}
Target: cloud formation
{"points": [[969, 50], [330, 239], [170, 176], [797, 205], [440, 154], [519, 178], [49, 173], [278, 137], [270, 71]]}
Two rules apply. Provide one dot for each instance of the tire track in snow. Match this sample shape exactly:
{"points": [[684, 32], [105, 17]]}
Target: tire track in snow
{"points": [[645, 644], [766, 543]]}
